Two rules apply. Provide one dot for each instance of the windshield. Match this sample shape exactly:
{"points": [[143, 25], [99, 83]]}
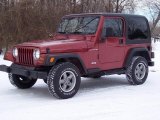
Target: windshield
{"points": [[79, 25]]}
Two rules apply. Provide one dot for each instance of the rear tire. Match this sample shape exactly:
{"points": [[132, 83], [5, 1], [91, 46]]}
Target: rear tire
{"points": [[64, 80], [137, 71], [21, 81]]}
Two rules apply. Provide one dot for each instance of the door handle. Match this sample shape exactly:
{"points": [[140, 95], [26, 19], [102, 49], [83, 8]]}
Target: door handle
{"points": [[120, 41]]}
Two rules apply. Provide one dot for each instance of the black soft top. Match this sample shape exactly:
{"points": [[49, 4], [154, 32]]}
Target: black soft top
{"points": [[127, 18], [107, 14]]}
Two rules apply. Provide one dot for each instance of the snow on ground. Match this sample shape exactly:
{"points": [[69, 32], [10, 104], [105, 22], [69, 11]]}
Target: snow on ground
{"points": [[107, 98]]}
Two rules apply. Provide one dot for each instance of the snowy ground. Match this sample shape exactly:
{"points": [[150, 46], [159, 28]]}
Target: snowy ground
{"points": [[108, 98]]}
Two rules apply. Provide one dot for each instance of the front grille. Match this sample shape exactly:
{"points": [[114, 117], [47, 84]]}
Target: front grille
{"points": [[25, 56]]}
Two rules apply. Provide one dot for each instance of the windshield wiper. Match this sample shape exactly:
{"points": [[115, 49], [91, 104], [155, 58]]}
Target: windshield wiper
{"points": [[62, 32], [71, 32], [85, 24], [77, 32]]}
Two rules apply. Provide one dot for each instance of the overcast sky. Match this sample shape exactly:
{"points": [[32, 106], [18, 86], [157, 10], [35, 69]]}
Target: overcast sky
{"points": [[142, 9]]}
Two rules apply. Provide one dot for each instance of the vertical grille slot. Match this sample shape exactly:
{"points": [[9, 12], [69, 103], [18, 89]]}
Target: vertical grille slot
{"points": [[25, 56]]}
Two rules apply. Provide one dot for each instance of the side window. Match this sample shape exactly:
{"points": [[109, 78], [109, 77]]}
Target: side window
{"points": [[137, 29], [113, 27]]}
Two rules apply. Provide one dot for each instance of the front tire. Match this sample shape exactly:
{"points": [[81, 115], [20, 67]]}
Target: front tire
{"points": [[45, 81], [64, 80], [137, 71], [21, 81]]}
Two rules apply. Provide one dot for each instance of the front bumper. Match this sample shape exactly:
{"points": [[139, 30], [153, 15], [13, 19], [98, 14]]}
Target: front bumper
{"points": [[24, 72]]}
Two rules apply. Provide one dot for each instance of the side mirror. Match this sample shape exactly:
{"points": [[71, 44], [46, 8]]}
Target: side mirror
{"points": [[109, 32], [103, 37]]}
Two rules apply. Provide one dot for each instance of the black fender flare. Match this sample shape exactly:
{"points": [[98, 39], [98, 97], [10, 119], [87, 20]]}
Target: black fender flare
{"points": [[136, 51], [64, 56]]}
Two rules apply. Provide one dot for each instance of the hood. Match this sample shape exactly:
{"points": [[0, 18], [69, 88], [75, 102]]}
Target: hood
{"points": [[56, 46]]}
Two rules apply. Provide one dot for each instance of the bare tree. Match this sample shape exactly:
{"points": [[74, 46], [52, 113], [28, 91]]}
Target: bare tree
{"points": [[24, 20], [154, 8], [119, 6]]}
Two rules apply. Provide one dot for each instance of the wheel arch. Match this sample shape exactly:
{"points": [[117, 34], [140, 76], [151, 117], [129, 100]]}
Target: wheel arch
{"points": [[143, 52], [73, 58]]}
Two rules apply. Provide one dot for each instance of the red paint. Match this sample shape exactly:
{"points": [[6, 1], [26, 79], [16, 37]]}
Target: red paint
{"points": [[106, 55]]}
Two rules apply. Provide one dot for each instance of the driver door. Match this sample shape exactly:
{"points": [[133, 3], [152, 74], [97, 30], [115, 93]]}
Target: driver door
{"points": [[111, 47]]}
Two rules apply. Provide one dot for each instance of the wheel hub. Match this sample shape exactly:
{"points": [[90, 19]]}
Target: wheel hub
{"points": [[140, 71], [67, 81]]}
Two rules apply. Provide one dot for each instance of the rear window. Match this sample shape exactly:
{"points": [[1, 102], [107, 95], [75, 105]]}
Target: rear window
{"points": [[137, 29]]}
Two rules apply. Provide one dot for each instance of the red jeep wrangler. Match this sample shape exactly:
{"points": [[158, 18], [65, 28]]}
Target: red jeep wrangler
{"points": [[85, 45]]}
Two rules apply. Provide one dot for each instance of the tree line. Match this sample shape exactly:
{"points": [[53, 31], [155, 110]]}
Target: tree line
{"points": [[25, 20]]}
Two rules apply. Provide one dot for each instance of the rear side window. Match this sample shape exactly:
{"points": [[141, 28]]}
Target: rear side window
{"points": [[137, 29]]}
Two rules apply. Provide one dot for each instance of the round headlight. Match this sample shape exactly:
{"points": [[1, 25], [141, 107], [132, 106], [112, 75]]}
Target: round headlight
{"points": [[36, 54], [15, 52]]}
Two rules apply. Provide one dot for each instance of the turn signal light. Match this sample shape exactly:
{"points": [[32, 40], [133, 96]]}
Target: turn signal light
{"points": [[52, 59]]}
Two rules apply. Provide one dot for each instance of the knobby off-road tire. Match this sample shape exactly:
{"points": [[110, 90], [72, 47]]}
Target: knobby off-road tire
{"points": [[137, 71], [45, 81], [21, 81], [64, 80]]}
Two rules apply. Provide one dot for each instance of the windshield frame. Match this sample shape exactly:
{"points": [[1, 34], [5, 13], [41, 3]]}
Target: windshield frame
{"points": [[79, 16]]}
